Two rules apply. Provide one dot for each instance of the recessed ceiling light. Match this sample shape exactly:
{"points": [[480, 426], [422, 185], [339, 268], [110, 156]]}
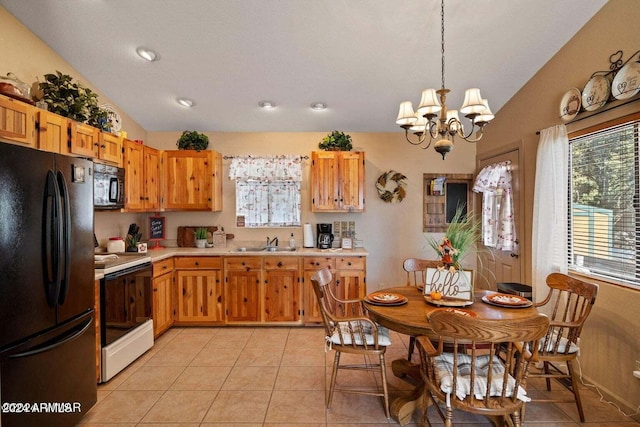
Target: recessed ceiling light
{"points": [[267, 105], [318, 106], [185, 102], [147, 54]]}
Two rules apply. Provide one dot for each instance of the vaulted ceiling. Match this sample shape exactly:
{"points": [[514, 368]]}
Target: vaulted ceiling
{"points": [[360, 57]]}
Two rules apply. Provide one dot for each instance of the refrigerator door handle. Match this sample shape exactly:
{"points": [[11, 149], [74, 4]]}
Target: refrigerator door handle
{"points": [[52, 240], [65, 237], [61, 339]]}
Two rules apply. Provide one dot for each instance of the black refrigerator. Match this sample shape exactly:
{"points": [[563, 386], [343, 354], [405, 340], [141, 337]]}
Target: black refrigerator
{"points": [[47, 329]]}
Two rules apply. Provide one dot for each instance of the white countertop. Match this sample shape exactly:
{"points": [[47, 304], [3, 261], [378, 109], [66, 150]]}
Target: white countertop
{"points": [[154, 255]]}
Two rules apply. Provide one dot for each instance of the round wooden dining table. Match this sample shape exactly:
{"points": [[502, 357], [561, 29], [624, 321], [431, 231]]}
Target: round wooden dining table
{"points": [[412, 319]]}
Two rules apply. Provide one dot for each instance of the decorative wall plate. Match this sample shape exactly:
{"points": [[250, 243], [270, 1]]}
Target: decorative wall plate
{"points": [[570, 105], [595, 93], [396, 194], [114, 117], [627, 82]]}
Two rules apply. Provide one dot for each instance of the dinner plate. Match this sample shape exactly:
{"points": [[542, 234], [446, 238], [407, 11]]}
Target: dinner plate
{"points": [[386, 304], [595, 93], [570, 105], [386, 297], [627, 82], [460, 311], [448, 302], [507, 300]]}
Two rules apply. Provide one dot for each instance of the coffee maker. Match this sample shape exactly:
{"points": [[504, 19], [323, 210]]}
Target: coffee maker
{"points": [[325, 236]]}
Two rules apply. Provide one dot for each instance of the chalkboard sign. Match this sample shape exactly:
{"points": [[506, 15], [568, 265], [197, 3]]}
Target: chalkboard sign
{"points": [[457, 193], [156, 228]]}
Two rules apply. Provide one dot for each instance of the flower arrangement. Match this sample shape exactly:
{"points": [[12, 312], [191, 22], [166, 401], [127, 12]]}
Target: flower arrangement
{"points": [[461, 236], [192, 140]]}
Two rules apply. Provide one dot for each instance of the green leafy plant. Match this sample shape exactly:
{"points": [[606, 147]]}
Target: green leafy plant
{"points": [[72, 99], [462, 235], [192, 140], [201, 233], [336, 140]]}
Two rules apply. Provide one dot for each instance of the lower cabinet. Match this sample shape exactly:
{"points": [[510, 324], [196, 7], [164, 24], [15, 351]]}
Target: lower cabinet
{"points": [[199, 290], [243, 276], [311, 311], [281, 289], [163, 312]]}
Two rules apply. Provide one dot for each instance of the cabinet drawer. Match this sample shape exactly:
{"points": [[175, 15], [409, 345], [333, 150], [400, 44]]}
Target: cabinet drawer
{"points": [[244, 263], [281, 263], [191, 262], [350, 263], [317, 263], [161, 267]]}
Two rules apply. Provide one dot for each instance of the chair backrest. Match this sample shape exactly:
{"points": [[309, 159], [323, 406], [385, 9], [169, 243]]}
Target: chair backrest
{"points": [[568, 305], [417, 270], [478, 343]]}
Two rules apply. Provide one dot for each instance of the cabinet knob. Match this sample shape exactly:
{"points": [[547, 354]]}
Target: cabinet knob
{"points": [[164, 267], [349, 263], [197, 263], [280, 264]]}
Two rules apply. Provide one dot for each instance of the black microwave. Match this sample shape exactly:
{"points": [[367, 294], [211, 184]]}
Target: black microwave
{"points": [[108, 187]]}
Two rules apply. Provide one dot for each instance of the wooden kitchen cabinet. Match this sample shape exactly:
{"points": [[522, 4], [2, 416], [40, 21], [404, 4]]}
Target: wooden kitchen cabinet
{"points": [[162, 285], [192, 180], [310, 310], [337, 181], [53, 132], [142, 177], [199, 290], [243, 278], [349, 277], [84, 140], [281, 289], [17, 121], [110, 148]]}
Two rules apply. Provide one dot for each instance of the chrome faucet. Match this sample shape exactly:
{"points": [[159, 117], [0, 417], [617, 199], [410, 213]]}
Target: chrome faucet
{"points": [[272, 242]]}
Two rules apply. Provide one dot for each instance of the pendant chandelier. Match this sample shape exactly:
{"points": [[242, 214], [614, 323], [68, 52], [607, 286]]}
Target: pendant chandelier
{"points": [[432, 121]]}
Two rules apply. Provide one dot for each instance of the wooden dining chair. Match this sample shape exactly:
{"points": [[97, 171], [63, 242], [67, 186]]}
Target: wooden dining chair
{"points": [[471, 376], [416, 270], [349, 330], [568, 304]]}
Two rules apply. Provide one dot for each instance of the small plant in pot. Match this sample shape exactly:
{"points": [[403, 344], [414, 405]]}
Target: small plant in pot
{"points": [[336, 141], [201, 237], [192, 140]]}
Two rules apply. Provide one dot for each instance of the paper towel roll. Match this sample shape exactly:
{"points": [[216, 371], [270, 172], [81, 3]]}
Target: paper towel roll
{"points": [[308, 235]]}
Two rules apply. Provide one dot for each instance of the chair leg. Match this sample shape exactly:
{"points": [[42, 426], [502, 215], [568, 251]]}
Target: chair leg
{"points": [[412, 344], [575, 388], [546, 371], [334, 374], [385, 389]]}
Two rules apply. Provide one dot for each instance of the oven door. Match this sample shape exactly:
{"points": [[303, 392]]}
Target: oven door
{"points": [[125, 302]]}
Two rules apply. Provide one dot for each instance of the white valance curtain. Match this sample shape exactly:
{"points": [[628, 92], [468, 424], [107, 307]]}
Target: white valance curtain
{"points": [[267, 190], [549, 229], [498, 227]]}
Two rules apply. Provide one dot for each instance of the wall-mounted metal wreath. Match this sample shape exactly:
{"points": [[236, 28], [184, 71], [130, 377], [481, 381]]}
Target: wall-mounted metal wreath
{"points": [[396, 194]]}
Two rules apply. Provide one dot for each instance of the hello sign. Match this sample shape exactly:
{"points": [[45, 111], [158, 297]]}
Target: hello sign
{"points": [[456, 283]]}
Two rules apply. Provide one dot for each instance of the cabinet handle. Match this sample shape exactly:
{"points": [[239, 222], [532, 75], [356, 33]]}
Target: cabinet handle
{"points": [[280, 264], [164, 267], [103, 146], [349, 263], [155, 289], [197, 263]]}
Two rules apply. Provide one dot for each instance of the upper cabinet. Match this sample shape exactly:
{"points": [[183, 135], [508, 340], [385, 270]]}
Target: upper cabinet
{"points": [[110, 148], [53, 132], [192, 180], [337, 181], [84, 140], [142, 177], [17, 121]]}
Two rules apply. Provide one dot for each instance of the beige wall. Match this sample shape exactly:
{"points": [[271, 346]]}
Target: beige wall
{"points": [[25, 55], [611, 339]]}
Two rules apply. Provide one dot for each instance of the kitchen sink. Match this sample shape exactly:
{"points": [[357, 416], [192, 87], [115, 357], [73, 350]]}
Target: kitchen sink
{"points": [[278, 249], [250, 249], [265, 249]]}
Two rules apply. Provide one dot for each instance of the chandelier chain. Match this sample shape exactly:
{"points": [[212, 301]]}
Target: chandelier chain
{"points": [[442, 38]]}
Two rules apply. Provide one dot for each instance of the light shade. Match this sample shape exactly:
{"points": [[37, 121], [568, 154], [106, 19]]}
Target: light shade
{"points": [[454, 125], [267, 105], [147, 54], [406, 116], [185, 102], [429, 103], [472, 102], [318, 106], [419, 126], [486, 115]]}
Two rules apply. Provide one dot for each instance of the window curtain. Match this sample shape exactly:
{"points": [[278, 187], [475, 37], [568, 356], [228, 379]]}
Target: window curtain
{"points": [[498, 227], [549, 228], [267, 190]]}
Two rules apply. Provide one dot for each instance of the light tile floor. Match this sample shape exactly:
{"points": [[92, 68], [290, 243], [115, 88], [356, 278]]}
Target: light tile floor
{"points": [[242, 376]]}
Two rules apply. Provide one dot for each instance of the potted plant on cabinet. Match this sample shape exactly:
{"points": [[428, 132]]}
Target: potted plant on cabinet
{"points": [[201, 237], [71, 99], [192, 140], [336, 141]]}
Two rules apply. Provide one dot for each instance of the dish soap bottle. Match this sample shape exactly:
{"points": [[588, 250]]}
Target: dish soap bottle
{"points": [[292, 241]]}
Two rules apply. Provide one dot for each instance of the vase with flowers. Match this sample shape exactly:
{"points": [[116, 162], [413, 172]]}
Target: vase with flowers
{"points": [[461, 236]]}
